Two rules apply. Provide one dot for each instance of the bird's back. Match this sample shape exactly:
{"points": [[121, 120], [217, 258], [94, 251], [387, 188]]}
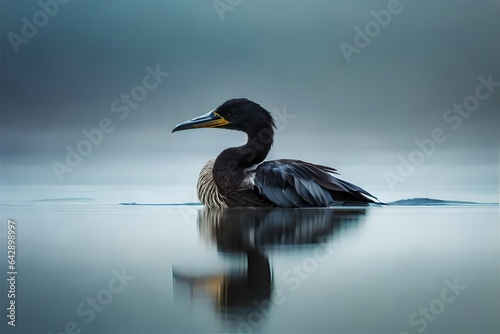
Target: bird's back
{"points": [[283, 183]]}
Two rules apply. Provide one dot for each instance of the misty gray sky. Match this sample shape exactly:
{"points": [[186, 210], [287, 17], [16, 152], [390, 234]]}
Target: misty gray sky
{"points": [[285, 55]]}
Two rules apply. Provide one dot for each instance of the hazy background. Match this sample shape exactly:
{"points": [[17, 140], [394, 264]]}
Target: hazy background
{"points": [[359, 117]]}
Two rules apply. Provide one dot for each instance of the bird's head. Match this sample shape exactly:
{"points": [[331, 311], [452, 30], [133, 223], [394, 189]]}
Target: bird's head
{"points": [[236, 114]]}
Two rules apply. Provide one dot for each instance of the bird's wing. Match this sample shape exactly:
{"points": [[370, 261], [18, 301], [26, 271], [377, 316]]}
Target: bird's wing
{"points": [[295, 183]]}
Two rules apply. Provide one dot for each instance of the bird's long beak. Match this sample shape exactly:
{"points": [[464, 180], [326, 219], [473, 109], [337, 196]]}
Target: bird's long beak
{"points": [[209, 120]]}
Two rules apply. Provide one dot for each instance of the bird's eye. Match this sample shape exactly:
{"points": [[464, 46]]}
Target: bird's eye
{"points": [[232, 111]]}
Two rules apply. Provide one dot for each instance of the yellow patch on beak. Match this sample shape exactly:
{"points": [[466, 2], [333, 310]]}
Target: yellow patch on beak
{"points": [[212, 124]]}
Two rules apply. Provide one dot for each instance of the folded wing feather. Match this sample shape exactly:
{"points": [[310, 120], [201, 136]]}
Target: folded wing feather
{"points": [[295, 183]]}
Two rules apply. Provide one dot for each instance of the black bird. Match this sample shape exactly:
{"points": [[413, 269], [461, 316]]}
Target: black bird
{"points": [[240, 178]]}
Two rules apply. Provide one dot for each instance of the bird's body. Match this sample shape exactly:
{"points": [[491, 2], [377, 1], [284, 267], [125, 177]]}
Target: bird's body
{"points": [[239, 177]]}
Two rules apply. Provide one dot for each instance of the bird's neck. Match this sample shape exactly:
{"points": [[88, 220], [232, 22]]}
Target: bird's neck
{"points": [[230, 166]]}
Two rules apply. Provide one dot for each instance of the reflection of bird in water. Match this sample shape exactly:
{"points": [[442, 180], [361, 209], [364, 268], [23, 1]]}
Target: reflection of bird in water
{"points": [[238, 230], [239, 178], [253, 233]]}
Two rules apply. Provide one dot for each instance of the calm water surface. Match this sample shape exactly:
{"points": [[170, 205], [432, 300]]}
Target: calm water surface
{"points": [[114, 268]]}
